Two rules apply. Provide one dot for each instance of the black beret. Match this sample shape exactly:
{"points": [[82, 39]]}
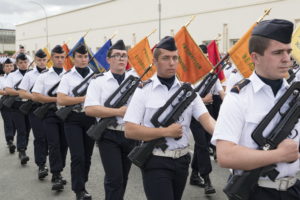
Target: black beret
{"points": [[21, 56], [167, 43], [57, 49], [8, 61], [21, 46], [203, 48], [40, 53], [276, 29], [80, 49], [118, 45]]}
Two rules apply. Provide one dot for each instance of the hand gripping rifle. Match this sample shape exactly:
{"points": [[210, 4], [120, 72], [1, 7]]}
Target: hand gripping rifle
{"points": [[26, 107], [41, 111], [239, 187], [78, 91], [211, 78], [116, 100], [10, 100], [2, 99], [176, 105]]}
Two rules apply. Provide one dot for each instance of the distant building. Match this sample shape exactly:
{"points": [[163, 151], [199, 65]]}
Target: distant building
{"points": [[135, 19], [7, 40]]}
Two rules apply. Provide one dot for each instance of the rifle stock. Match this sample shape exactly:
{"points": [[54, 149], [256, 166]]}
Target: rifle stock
{"points": [[41, 111], [96, 131]]}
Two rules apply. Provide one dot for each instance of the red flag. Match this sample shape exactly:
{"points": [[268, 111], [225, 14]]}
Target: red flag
{"points": [[68, 62], [214, 58]]}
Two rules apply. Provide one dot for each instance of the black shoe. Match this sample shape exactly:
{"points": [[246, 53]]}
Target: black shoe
{"points": [[195, 179], [43, 172], [64, 181], [23, 157], [208, 188], [57, 184], [83, 195], [11, 147]]}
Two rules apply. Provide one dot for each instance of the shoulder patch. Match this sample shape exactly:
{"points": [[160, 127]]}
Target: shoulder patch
{"points": [[45, 70], [144, 83], [234, 71], [239, 85], [97, 75]]}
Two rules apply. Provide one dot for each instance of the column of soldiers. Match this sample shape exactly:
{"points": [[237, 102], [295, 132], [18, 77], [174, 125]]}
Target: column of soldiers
{"points": [[166, 170]]}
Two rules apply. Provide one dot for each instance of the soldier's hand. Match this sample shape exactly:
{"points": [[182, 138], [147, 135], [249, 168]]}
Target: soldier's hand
{"points": [[207, 99], [82, 99], [174, 130], [289, 150], [122, 111]]}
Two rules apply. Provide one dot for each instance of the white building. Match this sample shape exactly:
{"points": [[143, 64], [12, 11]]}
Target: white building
{"points": [[135, 19], [7, 40]]}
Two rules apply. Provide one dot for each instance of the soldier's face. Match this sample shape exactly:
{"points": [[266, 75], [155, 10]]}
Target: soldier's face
{"points": [[166, 63], [22, 64], [275, 62], [81, 60], [41, 62], [58, 59], [8, 68], [118, 60]]}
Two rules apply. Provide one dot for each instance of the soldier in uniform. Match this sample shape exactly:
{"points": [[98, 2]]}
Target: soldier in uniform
{"points": [[75, 127], [113, 147], [20, 120], [201, 163], [165, 173], [39, 142], [53, 126], [247, 104], [9, 126]]}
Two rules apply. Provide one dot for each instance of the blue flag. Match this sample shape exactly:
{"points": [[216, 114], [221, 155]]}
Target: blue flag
{"points": [[101, 54], [81, 41]]}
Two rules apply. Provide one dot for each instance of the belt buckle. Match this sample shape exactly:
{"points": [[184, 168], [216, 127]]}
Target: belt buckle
{"points": [[283, 184], [176, 153]]}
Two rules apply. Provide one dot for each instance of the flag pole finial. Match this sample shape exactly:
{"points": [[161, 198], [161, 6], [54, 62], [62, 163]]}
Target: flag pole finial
{"points": [[267, 12], [189, 22], [218, 37], [154, 30]]}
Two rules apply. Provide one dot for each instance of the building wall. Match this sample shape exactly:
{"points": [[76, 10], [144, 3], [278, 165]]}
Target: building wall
{"points": [[135, 19], [7, 40]]}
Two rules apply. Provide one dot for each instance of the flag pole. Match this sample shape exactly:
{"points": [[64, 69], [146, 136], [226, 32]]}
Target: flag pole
{"points": [[189, 22], [267, 12], [154, 30], [114, 35], [86, 33]]}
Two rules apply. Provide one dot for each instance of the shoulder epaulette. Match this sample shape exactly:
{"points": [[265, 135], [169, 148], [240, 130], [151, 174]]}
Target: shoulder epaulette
{"points": [[97, 75], [234, 71], [45, 70], [239, 85], [144, 83]]}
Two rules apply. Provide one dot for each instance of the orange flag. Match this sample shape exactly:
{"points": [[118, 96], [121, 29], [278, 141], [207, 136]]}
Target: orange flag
{"points": [[140, 57], [68, 62], [49, 62], [239, 54], [193, 64]]}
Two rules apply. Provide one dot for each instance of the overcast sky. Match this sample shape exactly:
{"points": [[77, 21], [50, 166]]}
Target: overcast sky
{"points": [[18, 11]]}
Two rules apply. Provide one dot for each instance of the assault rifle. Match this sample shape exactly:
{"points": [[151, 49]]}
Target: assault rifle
{"points": [[116, 100], [240, 186], [10, 100], [211, 78], [41, 111], [177, 104]]}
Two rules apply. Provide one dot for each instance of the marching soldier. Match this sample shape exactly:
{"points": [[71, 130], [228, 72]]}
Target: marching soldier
{"points": [[248, 103], [53, 126], [75, 127], [113, 147], [166, 172], [19, 119], [39, 142], [9, 126]]}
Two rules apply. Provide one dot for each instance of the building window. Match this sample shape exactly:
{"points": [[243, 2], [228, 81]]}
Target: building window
{"points": [[233, 41]]}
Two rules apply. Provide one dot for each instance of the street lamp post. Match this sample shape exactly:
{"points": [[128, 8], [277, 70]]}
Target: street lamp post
{"points": [[46, 20]]}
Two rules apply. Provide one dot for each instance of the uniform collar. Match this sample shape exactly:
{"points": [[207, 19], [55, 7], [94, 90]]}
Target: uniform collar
{"points": [[110, 76], [258, 84], [73, 70], [157, 83], [51, 70]]}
